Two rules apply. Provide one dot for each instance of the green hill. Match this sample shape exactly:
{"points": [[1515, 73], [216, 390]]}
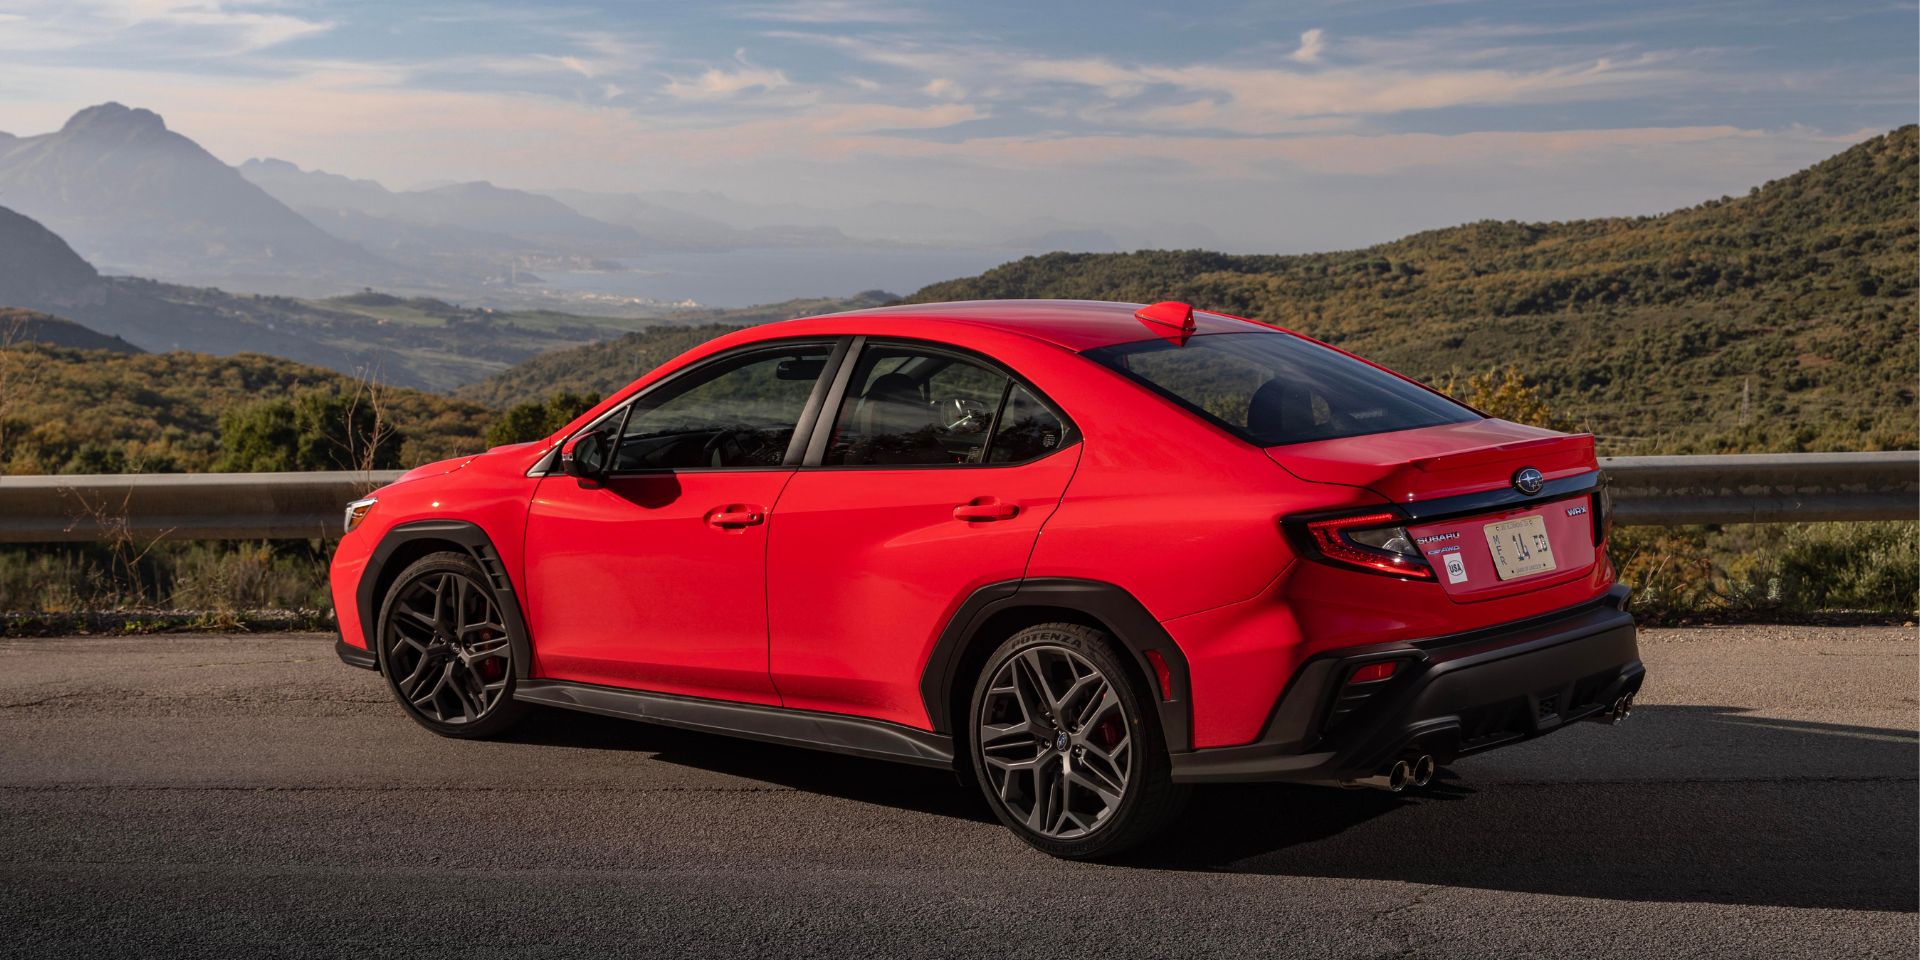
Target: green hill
{"points": [[93, 411], [601, 368], [28, 326], [1781, 320]]}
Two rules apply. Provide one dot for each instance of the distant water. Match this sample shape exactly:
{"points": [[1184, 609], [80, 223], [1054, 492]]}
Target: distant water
{"points": [[742, 278]]}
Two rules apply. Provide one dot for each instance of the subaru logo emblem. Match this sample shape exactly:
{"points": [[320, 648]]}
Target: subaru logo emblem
{"points": [[1060, 741], [1528, 481]]}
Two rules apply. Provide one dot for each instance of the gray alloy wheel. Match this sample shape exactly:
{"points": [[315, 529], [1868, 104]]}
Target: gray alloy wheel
{"points": [[445, 648], [1054, 742], [1066, 744]]}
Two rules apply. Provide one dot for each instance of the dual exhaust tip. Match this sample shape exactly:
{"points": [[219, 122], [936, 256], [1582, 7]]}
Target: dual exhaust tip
{"points": [[1619, 710], [1415, 770]]}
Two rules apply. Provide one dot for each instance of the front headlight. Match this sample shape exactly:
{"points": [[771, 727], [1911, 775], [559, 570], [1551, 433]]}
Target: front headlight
{"points": [[357, 511]]}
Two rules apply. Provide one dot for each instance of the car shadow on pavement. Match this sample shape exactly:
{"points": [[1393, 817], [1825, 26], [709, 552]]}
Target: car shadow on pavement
{"points": [[878, 782], [1677, 827], [1840, 837]]}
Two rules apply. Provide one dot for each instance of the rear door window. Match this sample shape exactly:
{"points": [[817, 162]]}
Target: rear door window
{"points": [[913, 406], [1276, 388]]}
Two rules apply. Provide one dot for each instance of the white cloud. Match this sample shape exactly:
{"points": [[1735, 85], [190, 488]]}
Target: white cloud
{"points": [[1217, 94], [1312, 44], [184, 27], [719, 83], [943, 89], [1264, 142], [574, 64]]}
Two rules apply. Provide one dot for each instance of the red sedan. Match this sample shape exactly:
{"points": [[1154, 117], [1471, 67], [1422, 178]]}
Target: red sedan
{"points": [[1085, 553]]}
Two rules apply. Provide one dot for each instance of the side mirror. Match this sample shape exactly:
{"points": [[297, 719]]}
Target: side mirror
{"points": [[588, 456]]}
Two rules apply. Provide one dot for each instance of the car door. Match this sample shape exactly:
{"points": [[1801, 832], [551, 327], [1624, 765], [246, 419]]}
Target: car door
{"points": [[929, 477], [655, 578]]}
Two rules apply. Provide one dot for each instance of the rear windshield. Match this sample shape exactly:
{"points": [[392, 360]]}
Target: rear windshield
{"points": [[1275, 388]]}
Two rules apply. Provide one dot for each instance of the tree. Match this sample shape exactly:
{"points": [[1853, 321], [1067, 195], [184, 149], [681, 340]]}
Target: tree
{"points": [[537, 420], [326, 428], [1505, 393]]}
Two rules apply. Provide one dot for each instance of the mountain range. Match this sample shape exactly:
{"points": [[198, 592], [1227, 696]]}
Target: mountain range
{"points": [[135, 197], [415, 342], [1782, 319]]}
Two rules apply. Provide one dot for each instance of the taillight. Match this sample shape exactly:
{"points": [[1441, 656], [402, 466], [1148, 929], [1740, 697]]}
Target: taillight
{"points": [[1602, 515], [1376, 542]]}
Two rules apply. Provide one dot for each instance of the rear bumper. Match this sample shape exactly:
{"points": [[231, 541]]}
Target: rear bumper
{"points": [[1448, 696]]}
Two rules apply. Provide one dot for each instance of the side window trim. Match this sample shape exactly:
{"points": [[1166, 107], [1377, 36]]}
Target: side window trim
{"points": [[820, 431], [808, 424], [829, 413], [837, 356], [999, 420]]}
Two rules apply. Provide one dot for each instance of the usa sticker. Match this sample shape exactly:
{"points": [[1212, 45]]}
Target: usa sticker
{"points": [[1456, 568]]}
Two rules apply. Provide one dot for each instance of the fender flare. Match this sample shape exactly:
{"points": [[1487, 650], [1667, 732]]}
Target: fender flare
{"points": [[479, 546], [1130, 623]]}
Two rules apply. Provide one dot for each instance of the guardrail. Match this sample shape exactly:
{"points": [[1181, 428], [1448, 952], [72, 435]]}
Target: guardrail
{"points": [[184, 506], [1648, 491], [1764, 488]]}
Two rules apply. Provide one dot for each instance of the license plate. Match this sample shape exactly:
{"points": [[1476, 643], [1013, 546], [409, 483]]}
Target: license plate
{"points": [[1519, 546]]}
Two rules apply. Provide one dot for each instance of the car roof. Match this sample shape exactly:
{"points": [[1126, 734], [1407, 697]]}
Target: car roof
{"points": [[1074, 324]]}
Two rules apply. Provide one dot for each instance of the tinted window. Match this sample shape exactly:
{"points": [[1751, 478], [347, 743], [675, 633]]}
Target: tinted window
{"points": [[908, 406], [739, 412], [1274, 388], [1027, 429], [913, 406]]}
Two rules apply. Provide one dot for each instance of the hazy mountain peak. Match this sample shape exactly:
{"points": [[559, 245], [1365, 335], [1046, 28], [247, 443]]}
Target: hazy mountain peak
{"points": [[466, 186], [117, 118], [270, 165], [134, 197]]}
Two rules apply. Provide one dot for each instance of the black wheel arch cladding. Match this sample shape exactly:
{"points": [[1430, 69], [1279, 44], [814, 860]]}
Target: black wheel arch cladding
{"points": [[967, 639], [408, 542]]}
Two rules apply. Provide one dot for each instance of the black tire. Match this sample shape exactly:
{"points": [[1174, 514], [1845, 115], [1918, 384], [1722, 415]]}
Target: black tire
{"points": [[1025, 742], [446, 650]]}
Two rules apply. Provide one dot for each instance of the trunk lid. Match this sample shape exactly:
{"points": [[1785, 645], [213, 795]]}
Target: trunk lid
{"points": [[1444, 461], [1479, 549]]}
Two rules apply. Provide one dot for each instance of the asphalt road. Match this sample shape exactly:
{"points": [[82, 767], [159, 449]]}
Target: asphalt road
{"points": [[251, 796]]}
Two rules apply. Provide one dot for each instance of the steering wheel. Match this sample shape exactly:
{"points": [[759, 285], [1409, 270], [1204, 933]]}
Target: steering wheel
{"points": [[739, 446], [959, 415]]}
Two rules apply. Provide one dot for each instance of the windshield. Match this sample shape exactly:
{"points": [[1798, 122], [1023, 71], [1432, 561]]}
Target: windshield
{"points": [[1275, 388]]}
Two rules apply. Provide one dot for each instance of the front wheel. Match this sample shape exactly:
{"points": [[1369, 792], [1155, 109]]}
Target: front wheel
{"points": [[445, 648], [1067, 747]]}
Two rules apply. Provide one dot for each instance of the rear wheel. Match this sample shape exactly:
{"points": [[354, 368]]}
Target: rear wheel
{"points": [[445, 648], [1067, 747]]}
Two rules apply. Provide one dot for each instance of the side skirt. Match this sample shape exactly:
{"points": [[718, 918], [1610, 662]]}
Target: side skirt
{"points": [[355, 657], [797, 728]]}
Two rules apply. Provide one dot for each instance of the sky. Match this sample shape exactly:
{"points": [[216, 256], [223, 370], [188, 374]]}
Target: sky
{"points": [[1247, 126]]}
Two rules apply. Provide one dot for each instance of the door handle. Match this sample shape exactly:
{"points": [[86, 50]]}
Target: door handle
{"points": [[985, 510], [734, 516]]}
